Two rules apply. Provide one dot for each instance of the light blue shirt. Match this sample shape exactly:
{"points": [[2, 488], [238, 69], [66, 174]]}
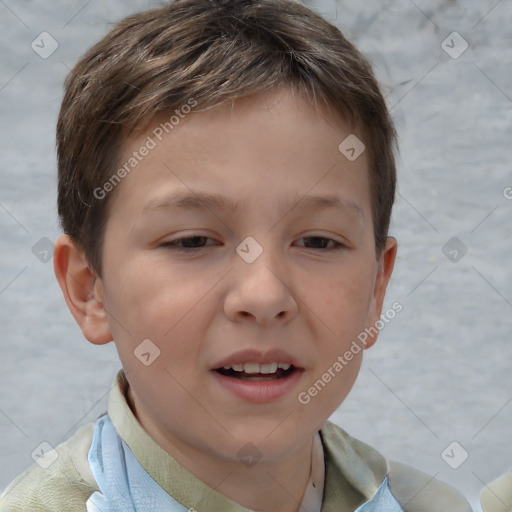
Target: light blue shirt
{"points": [[125, 486]]}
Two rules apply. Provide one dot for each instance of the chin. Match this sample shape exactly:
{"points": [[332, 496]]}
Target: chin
{"points": [[272, 438]]}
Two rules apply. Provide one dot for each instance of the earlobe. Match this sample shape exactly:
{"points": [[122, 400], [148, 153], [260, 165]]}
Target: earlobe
{"points": [[385, 269], [82, 290]]}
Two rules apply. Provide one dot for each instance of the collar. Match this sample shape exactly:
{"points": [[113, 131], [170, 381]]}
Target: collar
{"points": [[344, 472]]}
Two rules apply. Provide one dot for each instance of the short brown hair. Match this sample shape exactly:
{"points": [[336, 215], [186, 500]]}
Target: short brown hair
{"points": [[213, 51]]}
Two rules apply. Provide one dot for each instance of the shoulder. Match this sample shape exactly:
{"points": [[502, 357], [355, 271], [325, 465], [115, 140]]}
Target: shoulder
{"points": [[418, 492], [63, 484], [414, 490], [497, 496]]}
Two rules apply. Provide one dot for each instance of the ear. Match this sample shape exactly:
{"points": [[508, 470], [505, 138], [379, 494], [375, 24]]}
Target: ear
{"points": [[385, 268], [82, 290]]}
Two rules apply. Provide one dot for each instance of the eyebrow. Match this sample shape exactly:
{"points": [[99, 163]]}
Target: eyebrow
{"points": [[203, 201]]}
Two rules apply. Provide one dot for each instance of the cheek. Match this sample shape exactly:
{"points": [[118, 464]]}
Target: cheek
{"points": [[153, 297], [343, 300], [170, 308]]}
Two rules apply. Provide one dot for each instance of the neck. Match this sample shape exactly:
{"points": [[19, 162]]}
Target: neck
{"points": [[267, 486], [270, 487]]}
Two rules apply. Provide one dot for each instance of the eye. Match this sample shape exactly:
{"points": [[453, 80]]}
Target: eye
{"points": [[194, 243], [320, 242], [187, 243]]}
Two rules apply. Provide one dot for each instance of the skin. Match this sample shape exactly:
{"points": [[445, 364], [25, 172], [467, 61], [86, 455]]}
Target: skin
{"points": [[206, 304]]}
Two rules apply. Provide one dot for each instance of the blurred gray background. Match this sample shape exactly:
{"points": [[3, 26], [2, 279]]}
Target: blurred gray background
{"points": [[441, 371]]}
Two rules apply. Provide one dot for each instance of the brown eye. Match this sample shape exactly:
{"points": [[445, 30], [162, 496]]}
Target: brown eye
{"points": [[320, 242], [189, 242]]}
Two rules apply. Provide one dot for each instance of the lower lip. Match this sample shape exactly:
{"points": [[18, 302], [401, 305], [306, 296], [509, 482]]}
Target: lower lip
{"points": [[259, 391]]}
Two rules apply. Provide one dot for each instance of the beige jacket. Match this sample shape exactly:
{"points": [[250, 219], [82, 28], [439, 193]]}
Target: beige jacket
{"points": [[353, 473]]}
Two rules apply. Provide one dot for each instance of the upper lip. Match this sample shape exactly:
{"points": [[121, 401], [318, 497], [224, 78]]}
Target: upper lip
{"points": [[257, 356]]}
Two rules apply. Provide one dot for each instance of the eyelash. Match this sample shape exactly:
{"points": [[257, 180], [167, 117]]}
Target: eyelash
{"points": [[173, 245]]}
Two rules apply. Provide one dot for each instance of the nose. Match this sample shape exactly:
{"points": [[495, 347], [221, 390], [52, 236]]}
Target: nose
{"points": [[260, 291]]}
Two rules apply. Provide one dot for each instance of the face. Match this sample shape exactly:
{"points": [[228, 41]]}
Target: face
{"points": [[250, 295]]}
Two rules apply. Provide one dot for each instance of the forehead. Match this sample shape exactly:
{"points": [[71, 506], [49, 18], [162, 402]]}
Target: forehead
{"points": [[281, 106], [262, 144]]}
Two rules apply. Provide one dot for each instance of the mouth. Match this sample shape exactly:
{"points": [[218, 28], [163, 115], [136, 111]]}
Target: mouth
{"points": [[258, 377], [256, 371]]}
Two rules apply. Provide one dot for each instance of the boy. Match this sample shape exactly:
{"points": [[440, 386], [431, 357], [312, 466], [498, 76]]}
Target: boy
{"points": [[226, 179]]}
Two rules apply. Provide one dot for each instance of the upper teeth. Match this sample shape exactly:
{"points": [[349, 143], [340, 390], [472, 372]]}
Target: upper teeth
{"points": [[258, 368]]}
